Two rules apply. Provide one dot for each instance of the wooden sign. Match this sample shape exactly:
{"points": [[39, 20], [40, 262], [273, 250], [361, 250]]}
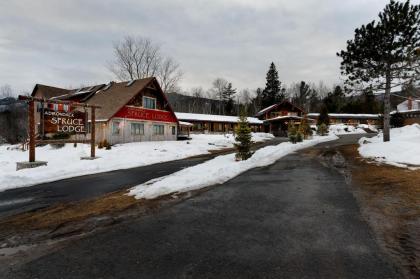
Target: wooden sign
{"points": [[145, 114], [64, 122]]}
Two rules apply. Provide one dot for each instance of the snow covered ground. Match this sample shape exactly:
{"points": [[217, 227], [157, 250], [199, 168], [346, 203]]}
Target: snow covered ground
{"points": [[218, 170], [402, 151], [343, 129], [66, 163]]}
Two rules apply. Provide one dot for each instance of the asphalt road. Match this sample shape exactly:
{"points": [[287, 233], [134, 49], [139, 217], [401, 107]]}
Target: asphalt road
{"points": [[294, 219], [75, 189]]}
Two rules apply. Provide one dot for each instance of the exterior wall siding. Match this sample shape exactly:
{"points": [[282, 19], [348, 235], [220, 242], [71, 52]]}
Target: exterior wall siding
{"points": [[125, 135]]}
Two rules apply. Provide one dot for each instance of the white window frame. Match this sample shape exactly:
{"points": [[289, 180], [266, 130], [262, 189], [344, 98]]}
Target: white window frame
{"points": [[116, 124], [140, 129], [173, 128], [155, 132], [151, 98]]}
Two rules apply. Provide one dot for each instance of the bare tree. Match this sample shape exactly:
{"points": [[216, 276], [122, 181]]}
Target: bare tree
{"points": [[136, 58], [169, 74], [6, 91], [219, 85]]}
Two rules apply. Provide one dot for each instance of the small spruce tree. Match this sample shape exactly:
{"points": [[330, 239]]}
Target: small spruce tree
{"points": [[323, 117], [291, 131], [243, 138], [304, 127]]}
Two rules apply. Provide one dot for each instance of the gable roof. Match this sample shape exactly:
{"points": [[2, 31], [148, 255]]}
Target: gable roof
{"points": [[272, 107], [48, 91], [110, 97]]}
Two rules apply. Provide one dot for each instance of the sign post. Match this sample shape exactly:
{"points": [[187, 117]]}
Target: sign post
{"points": [[57, 121], [31, 120], [92, 134]]}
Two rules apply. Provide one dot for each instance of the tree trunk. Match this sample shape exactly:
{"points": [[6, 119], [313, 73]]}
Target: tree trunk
{"points": [[387, 108]]}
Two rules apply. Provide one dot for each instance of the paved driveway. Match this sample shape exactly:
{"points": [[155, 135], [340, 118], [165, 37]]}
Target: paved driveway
{"points": [[293, 219], [90, 186]]}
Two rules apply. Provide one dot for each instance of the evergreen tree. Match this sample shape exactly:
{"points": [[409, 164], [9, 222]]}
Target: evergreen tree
{"points": [[227, 95], [336, 100], [302, 94], [385, 53], [272, 93], [370, 105], [323, 117], [304, 127], [397, 120], [243, 138]]}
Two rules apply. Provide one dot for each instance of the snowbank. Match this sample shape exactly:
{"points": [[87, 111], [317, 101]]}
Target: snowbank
{"points": [[65, 162], [343, 129], [218, 170], [403, 150]]}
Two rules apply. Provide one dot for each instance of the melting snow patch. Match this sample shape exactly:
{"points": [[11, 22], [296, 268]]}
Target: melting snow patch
{"points": [[402, 151], [218, 170]]}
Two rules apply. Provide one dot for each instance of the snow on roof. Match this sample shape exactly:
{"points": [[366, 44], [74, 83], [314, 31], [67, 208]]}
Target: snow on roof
{"points": [[288, 117], [213, 118], [266, 109], [346, 115], [183, 123], [415, 105]]}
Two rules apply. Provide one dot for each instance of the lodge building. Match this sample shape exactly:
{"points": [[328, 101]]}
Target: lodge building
{"points": [[278, 116], [209, 123], [410, 111], [130, 111]]}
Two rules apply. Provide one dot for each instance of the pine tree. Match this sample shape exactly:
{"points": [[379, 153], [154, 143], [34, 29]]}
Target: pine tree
{"points": [[304, 127], [385, 53], [323, 117], [272, 93], [227, 96], [243, 138]]}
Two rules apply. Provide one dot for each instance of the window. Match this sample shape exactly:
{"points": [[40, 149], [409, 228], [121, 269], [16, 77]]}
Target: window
{"points": [[137, 128], [158, 130], [173, 130], [149, 103], [116, 128]]}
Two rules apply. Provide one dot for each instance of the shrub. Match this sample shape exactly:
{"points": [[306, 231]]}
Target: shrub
{"points": [[299, 137], [59, 136], [304, 128], [291, 132], [106, 145], [397, 120], [322, 130]]}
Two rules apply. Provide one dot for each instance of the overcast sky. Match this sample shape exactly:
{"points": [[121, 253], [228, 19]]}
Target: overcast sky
{"points": [[68, 43]]}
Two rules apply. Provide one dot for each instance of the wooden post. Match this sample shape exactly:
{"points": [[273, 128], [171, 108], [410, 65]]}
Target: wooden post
{"points": [[31, 119], [92, 134]]}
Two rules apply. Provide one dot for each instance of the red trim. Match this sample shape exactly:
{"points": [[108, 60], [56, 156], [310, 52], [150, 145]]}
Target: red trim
{"points": [[160, 91], [146, 114]]}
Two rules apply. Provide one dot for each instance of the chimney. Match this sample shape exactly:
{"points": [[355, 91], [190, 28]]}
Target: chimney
{"points": [[410, 103]]}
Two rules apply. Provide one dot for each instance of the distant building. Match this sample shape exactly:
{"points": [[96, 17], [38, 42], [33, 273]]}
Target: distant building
{"points": [[351, 118], [209, 123], [130, 111], [277, 117], [410, 110]]}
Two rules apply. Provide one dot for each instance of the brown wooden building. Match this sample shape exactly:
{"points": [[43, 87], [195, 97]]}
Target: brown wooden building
{"points": [[209, 123], [130, 111], [277, 117]]}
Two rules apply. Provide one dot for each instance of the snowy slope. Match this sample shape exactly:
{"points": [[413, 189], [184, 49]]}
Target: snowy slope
{"points": [[403, 150], [217, 170], [65, 162]]}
